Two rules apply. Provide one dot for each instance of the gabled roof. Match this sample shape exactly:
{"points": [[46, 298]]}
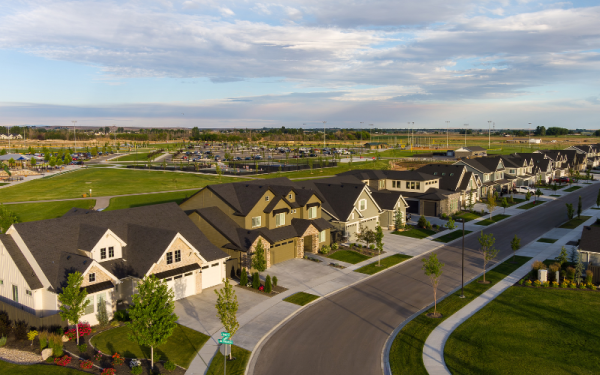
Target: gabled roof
{"points": [[147, 231], [376, 174], [484, 165], [387, 199], [450, 174], [22, 264]]}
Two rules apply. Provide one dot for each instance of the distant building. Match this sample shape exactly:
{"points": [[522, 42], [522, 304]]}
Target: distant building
{"points": [[470, 151], [525, 140], [376, 145]]}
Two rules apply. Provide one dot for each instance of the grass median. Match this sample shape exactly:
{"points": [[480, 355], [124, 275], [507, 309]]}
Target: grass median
{"points": [[494, 219], [386, 262], [406, 353], [452, 236], [235, 367], [572, 188], [547, 240], [531, 205], [575, 222]]}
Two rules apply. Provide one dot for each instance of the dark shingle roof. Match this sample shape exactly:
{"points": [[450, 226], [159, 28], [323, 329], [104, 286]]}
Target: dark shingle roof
{"points": [[386, 200], [485, 165], [590, 239], [450, 175], [339, 196], [475, 148], [147, 231], [22, 264], [374, 174]]}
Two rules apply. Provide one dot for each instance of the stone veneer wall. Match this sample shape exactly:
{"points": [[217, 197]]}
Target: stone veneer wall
{"points": [[246, 258], [100, 277], [300, 248], [198, 282]]}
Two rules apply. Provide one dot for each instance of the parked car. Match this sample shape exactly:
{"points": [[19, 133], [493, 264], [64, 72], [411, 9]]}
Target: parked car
{"points": [[237, 158], [524, 189], [562, 180], [247, 158]]}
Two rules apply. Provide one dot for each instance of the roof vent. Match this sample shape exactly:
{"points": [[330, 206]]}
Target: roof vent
{"points": [[68, 257]]}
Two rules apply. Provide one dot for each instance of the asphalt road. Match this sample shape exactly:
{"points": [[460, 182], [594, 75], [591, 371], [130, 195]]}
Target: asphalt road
{"points": [[346, 333]]}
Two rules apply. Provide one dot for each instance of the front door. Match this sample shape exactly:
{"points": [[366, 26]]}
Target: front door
{"points": [[308, 244]]}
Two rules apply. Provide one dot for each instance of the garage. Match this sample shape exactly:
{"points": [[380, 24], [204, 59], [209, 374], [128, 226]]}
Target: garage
{"points": [[211, 275], [282, 252], [413, 207], [182, 280], [430, 208]]}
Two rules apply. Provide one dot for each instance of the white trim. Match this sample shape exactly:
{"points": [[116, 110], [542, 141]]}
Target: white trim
{"points": [[177, 236], [97, 264]]}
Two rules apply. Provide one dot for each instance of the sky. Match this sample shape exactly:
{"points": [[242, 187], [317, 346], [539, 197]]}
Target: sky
{"points": [[297, 63]]}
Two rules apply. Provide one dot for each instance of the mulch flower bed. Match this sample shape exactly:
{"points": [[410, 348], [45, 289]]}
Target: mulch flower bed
{"points": [[312, 259], [336, 265], [276, 290]]}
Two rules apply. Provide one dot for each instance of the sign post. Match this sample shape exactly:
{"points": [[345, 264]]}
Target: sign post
{"points": [[225, 341]]}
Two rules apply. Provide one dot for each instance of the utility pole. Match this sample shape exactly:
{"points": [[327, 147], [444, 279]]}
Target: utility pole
{"points": [[529, 135], [466, 134], [74, 136], [324, 122], [370, 132], [489, 134], [462, 293], [447, 129]]}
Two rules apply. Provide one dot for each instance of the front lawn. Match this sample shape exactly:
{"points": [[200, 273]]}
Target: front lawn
{"points": [[119, 203], [301, 298], [14, 369], [406, 353], [416, 232], [531, 205], [47, 210], [547, 240], [235, 367], [348, 256], [180, 348], [452, 236], [575, 222], [386, 262], [529, 331], [572, 188], [494, 219], [467, 216]]}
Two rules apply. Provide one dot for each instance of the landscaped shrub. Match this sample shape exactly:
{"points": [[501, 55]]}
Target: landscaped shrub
{"points": [[255, 281], [335, 246], [537, 265], [137, 370], [444, 216], [422, 223], [82, 348], [43, 337], [84, 330], [121, 316], [117, 359], [582, 286], [572, 285], [62, 361], [325, 249], [521, 282], [21, 329], [528, 282], [565, 284], [588, 276], [102, 314], [98, 355], [108, 371], [428, 225], [537, 283], [592, 287], [275, 280], [2, 341], [244, 277], [555, 284], [571, 273], [86, 365], [5, 324], [170, 366], [372, 247], [546, 284], [268, 285]]}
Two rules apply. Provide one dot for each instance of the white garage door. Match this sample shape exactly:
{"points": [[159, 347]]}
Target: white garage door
{"points": [[211, 275], [182, 285]]}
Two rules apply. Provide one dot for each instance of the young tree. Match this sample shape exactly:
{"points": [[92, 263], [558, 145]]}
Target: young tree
{"points": [[570, 210], [379, 243], [73, 301], [259, 261], [227, 307], [7, 218], [528, 196], [366, 235], [398, 218], [244, 277], [433, 269], [487, 249], [538, 193], [152, 318], [579, 208], [504, 204], [515, 245], [450, 224], [491, 203], [573, 256], [578, 267], [102, 314], [562, 257]]}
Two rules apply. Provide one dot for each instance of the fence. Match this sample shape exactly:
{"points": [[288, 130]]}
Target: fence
{"points": [[17, 313], [596, 271]]}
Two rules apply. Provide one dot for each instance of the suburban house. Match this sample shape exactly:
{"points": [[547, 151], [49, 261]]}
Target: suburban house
{"points": [[592, 153], [456, 178], [519, 170], [490, 172], [421, 191], [11, 136], [470, 152], [376, 145], [348, 205], [113, 250], [589, 246], [391, 203], [543, 165], [285, 218]]}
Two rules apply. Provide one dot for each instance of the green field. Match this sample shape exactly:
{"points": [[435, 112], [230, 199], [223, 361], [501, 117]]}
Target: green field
{"points": [[47, 210], [106, 181], [386, 262], [181, 346], [140, 156], [452, 236], [301, 298], [119, 203], [406, 353], [529, 331]]}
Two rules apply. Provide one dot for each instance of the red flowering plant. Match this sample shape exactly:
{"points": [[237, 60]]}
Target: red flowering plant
{"points": [[86, 365], [108, 371], [84, 330], [62, 361], [261, 288], [118, 360]]}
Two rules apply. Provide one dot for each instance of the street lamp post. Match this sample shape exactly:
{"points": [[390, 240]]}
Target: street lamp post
{"points": [[462, 293], [74, 137], [466, 134], [489, 134], [447, 129]]}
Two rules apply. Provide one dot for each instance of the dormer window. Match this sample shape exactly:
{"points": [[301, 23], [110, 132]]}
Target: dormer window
{"points": [[290, 196], [111, 252], [267, 198], [103, 253], [92, 277]]}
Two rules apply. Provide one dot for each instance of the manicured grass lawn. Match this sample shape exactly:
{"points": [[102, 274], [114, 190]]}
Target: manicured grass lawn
{"points": [[180, 348], [415, 233], [118, 203], [495, 219], [467, 216], [572, 188], [140, 156], [530, 205], [301, 298], [529, 331], [547, 240], [386, 262], [47, 210], [575, 222], [106, 181], [3, 183], [555, 195], [348, 256], [452, 236], [13, 369], [236, 367], [406, 354], [342, 167]]}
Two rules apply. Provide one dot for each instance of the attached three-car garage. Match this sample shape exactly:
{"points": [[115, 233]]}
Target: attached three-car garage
{"points": [[182, 280]]}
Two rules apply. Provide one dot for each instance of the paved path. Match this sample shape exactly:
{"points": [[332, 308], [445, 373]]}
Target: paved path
{"points": [[433, 350], [345, 333]]}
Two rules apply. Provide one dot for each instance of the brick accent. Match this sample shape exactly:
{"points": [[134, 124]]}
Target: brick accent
{"points": [[300, 248], [250, 253], [311, 231], [100, 277]]}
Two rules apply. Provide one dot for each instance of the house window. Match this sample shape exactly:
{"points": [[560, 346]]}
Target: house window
{"points": [[111, 252], [407, 185], [293, 211], [322, 236], [352, 216], [15, 293], [28, 292], [382, 184], [312, 212], [169, 257], [103, 253], [362, 204], [290, 196], [256, 221], [89, 309], [280, 219], [177, 255], [412, 185], [418, 185], [92, 277], [101, 298], [267, 198], [393, 184]]}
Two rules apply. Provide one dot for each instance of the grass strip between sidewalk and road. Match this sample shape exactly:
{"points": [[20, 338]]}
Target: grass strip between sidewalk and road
{"points": [[575, 222], [572, 188], [301, 298], [494, 219], [15, 369], [467, 216], [387, 262], [348, 256], [547, 240], [531, 205], [235, 367], [452, 236], [406, 353]]}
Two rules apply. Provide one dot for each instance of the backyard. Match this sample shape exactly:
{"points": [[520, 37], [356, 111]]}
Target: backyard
{"points": [[529, 331]]}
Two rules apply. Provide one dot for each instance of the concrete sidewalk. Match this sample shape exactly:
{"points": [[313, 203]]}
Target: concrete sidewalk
{"points": [[433, 350]]}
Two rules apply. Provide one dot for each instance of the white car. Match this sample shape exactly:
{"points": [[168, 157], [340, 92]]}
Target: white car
{"points": [[524, 189]]}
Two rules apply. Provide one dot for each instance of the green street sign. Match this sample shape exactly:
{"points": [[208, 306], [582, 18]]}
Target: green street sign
{"points": [[225, 341], [225, 334]]}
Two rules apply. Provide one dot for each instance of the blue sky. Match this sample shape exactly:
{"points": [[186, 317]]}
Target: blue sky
{"points": [[236, 63]]}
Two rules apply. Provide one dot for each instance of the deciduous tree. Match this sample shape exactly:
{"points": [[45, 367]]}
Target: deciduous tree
{"points": [[379, 243], [491, 203], [504, 204], [515, 245], [433, 270], [487, 249], [259, 261], [73, 301], [227, 307]]}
